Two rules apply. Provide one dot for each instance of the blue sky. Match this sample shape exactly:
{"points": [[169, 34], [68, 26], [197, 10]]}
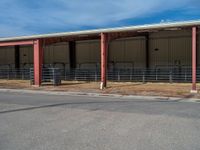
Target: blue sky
{"points": [[27, 17]]}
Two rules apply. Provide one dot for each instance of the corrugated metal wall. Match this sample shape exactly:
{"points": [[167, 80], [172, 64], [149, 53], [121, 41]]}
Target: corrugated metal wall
{"points": [[88, 54], [168, 48], [198, 50], [127, 53], [7, 57], [158, 52], [57, 55], [26, 56]]}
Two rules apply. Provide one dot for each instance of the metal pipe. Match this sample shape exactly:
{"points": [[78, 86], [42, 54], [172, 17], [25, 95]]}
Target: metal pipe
{"points": [[104, 46], [38, 61], [194, 59], [15, 43]]}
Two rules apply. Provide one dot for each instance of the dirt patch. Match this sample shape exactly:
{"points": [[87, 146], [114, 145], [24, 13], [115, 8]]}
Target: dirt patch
{"points": [[127, 88], [15, 84]]}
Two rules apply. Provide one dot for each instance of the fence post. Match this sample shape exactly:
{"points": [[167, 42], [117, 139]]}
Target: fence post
{"points": [[95, 75], [75, 75], [185, 76], [8, 74], [65, 73], [53, 76], [86, 75], [118, 78], [143, 77], [31, 76], [15, 73], [170, 77], [156, 75], [23, 74]]}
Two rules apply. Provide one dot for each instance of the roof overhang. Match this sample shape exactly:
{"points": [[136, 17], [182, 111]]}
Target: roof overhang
{"points": [[87, 33]]}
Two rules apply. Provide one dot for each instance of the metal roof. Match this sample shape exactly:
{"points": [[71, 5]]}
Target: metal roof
{"points": [[108, 30]]}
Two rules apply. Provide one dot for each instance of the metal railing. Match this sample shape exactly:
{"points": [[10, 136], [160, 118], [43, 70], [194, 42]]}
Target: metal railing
{"points": [[20, 74], [121, 75], [52, 75], [133, 75], [81, 75], [150, 75]]}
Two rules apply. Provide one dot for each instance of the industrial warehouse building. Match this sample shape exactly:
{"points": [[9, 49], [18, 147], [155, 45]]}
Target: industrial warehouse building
{"points": [[166, 52]]}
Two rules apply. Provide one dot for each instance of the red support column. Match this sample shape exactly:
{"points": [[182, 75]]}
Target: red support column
{"points": [[38, 61], [104, 47], [194, 59]]}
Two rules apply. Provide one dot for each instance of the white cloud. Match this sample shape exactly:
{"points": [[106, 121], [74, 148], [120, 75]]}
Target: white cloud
{"points": [[104, 12], [30, 17]]}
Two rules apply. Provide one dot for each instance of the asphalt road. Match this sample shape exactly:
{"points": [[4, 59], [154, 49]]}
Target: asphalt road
{"points": [[46, 122]]}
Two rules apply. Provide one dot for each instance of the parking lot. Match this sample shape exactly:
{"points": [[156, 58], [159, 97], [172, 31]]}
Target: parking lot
{"points": [[49, 122]]}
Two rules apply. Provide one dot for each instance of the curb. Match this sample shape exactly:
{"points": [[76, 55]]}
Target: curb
{"points": [[172, 99]]}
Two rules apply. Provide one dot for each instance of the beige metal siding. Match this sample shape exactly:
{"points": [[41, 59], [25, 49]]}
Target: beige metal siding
{"points": [[135, 52], [174, 48], [7, 57], [88, 54], [127, 53], [48, 55], [95, 52], [198, 50], [26, 56], [83, 52], [57, 55], [117, 51], [180, 51], [159, 52], [2, 55]]}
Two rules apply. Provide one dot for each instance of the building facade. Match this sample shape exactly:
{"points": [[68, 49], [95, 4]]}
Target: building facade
{"points": [[131, 53]]}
